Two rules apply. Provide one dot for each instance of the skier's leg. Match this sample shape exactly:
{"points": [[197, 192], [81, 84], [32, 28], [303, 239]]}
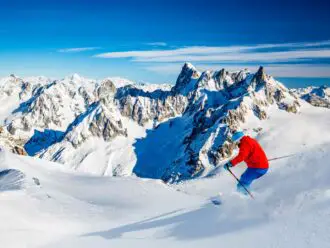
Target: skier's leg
{"points": [[261, 172], [248, 177], [246, 180]]}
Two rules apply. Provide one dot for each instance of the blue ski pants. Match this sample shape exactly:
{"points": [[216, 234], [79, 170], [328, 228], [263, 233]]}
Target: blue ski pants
{"points": [[248, 177]]}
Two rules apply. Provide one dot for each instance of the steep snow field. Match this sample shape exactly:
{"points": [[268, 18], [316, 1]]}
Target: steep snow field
{"points": [[45, 204]]}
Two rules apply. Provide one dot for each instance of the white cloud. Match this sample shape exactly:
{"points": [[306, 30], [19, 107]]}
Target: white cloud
{"points": [[160, 44], [261, 57], [77, 49], [169, 61], [254, 53], [158, 53]]}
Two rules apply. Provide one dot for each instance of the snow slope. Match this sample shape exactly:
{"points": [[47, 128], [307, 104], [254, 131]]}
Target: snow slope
{"points": [[53, 206]]}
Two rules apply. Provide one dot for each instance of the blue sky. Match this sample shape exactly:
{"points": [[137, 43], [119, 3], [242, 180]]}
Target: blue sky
{"points": [[150, 40]]}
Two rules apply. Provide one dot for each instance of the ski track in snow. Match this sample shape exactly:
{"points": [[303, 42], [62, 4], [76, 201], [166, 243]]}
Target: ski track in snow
{"points": [[73, 209]]}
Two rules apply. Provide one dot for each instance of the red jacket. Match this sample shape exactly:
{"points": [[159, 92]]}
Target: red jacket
{"points": [[251, 153]]}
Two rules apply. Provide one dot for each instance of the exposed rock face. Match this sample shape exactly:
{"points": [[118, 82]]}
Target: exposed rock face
{"points": [[259, 79], [225, 79], [11, 143], [52, 106], [106, 91], [19, 150], [143, 110], [317, 96], [144, 107], [98, 121], [317, 101]]}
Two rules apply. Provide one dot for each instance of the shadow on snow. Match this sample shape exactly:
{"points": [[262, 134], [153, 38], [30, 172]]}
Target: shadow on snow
{"points": [[188, 225], [11, 179], [42, 140]]}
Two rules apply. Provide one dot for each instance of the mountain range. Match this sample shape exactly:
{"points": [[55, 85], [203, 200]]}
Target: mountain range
{"points": [[115, 127]]}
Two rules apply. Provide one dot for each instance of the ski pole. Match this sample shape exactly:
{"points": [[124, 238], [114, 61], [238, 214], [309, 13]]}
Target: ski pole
{"points": [[241, 183], [287, 156]]}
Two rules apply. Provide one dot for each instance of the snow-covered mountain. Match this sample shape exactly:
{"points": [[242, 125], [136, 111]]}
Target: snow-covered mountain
{"points": [[45, 204], [14, 90], [219, 103], [157, 131], [317, 96]]}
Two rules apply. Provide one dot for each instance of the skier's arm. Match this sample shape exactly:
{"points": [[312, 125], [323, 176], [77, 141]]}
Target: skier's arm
{"points": [[242, 155]]}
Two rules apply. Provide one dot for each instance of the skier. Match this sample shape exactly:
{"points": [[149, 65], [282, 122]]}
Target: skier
{"points": [[253, 155]]}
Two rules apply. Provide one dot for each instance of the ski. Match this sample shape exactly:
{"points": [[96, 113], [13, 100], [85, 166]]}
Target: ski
{"points": [[217, 200]]}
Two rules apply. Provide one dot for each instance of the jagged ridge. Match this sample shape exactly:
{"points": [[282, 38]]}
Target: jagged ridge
{"points": [[184, 128]]}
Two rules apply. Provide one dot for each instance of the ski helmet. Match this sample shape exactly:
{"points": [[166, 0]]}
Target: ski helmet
{"points": [[237, 136]]}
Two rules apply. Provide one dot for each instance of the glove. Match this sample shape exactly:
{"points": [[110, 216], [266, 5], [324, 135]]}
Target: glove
{"points": [[227, 165]]}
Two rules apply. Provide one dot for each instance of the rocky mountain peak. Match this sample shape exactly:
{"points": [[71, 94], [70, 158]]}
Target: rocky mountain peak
{"points": [[186, 79], [260, 77], [106, 90]]}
